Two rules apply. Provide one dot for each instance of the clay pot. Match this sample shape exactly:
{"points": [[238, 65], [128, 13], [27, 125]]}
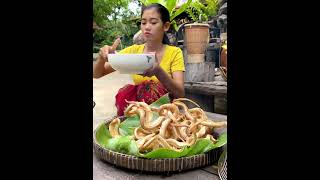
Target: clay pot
{"points": [[223, 58]]}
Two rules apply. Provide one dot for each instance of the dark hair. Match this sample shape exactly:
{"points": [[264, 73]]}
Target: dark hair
{"points": [[164, 16]]}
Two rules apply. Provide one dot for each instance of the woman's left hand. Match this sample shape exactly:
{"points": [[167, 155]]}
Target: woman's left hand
{"points": [[154, 69]]}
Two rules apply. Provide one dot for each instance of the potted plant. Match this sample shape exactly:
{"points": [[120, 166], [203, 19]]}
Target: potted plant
{"points": [[197, 33]]}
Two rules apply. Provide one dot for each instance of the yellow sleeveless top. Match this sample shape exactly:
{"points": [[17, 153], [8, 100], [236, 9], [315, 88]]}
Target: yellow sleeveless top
{"points": [[172, 61]]}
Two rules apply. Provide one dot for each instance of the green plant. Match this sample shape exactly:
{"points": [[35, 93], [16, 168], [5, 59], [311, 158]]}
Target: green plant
{"points": [[114, 29], [200, 12], [114, 18], [171, 6], [108, 9]]}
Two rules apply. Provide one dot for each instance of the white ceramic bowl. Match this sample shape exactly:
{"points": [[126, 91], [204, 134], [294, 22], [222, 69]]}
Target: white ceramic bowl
{"points": [[131, 63]]}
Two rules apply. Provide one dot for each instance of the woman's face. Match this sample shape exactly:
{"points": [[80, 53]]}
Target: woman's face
{"points": [[152, 26]]}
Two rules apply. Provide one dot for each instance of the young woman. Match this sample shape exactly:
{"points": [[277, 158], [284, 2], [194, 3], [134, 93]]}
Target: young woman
{"points": [[167, 74]]}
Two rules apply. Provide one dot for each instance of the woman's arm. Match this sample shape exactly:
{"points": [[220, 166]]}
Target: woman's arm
{"points": [[101, 68], [174, 85]]}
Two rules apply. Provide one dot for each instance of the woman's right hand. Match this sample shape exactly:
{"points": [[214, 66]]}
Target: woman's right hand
{"points": [[100, 67], [105, 50]]}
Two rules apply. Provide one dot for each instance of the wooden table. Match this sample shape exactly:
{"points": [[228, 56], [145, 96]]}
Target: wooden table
{"points": [[106, 171], [211, 96], [218, 88]]}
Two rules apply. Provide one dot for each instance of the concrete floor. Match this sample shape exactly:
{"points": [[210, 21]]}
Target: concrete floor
{"points": [[104, 92]]}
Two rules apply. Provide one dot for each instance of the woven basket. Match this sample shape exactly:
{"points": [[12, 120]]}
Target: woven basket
{"points": [[154, 165], [196, 38]]}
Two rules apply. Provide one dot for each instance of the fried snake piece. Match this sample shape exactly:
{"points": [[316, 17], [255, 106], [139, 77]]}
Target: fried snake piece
{"points": [[210, 137], [165, 144], [197, 113], [142, 141], [148, 143], [170, 130], [171, 116], [154, 144], [154, 109], [140, 104], [114, 127], [168, 133], [185, 109], [169, 107], [183, 130], [193, 128], [214, 124], [140, 133], [186, 99], [176, 133], [145, 114], [147, 123], [191, 139], [155, 123], [130, 110], [164, 127], [202, 131]]}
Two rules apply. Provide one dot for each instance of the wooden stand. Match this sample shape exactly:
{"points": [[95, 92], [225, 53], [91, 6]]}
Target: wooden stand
{"points": [[211, 96], [201, 87], [200, 72]]}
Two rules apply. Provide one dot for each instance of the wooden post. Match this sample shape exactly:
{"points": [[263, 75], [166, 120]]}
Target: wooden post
{"points": [[200, 72], [220, 104]]}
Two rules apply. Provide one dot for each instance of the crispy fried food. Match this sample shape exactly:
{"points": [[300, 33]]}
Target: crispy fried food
{"points": [[172, 129], [114, 127]]}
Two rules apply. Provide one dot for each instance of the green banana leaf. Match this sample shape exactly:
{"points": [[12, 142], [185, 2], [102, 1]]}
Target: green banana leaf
{"points": [[122, 144], [163, 100], [170, 5], [127, 127], [102, 134], [201, 146], [180, 10]]}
